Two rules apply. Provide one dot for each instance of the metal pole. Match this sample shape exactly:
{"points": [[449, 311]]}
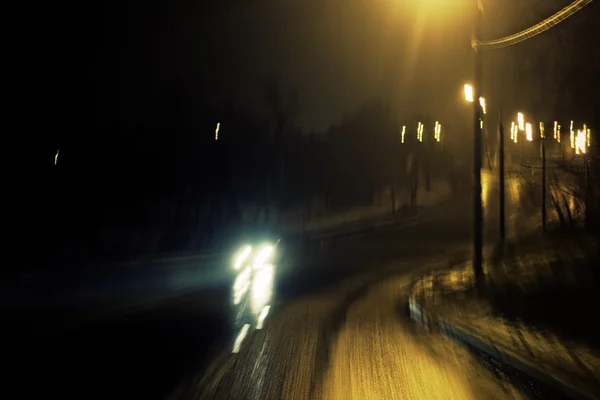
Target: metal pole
{"points": [[501, 179], [543, 138], [477, 198]]}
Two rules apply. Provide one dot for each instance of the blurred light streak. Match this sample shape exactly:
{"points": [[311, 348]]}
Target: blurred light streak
{"points": [[242, 257], [240, 338], [482, 104], [56, 157], [555, 129], [468, 92], [420, 132], [241, 285], [580, 142], [529, 131], [262, 288], [542, 134], [512, 131], [261, 318], [589, 137], [572, 134], [217, 131], [558, 134], [403, 132], [521, 121]]}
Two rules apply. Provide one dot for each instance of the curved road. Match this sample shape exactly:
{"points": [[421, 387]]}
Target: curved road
{"points": [[334, 333]]}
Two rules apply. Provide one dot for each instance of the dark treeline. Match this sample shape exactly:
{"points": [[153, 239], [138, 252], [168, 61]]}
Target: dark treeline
{"points": [[172, 186]]}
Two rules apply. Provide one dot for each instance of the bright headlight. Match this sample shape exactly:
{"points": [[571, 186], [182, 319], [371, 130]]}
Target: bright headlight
{"points": [[241, 257], [263, 255]]}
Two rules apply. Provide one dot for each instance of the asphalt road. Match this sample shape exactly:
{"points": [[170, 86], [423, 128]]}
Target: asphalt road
{"points": [[319, 339]]}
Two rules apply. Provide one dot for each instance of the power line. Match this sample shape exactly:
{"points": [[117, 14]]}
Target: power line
{"points": [[536, 29]]}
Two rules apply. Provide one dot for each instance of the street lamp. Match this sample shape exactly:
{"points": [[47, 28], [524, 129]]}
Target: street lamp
{"points": [[468, 92], [521, 121], [529, 132], [403, 132]]}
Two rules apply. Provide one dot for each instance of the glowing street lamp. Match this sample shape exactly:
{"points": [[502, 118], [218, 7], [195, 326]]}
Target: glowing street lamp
{"points": [[217, 131], [521, 121], [512, 131], [529, 132], [437, 131], [555, 129], [403, 132], [420, 132], [572, 134], [469, 92], [589, 137], [542, 130], [580, 142], [558, 134]]}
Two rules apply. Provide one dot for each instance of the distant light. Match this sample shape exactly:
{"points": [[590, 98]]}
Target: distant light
{"points": [[542, 130], [468, 92], [589, 137], [555, 129], [438, 131], [529, 132], [56, 157], [217, 131], [572, 134], [482, 104], [558, 134], [480, 123], [403, 132], [512, 130], [521, 121], [420, 132], [580, 142]]}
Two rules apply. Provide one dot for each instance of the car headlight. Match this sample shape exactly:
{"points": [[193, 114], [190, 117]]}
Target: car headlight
{"points": [[241, 257], [264, 254]]}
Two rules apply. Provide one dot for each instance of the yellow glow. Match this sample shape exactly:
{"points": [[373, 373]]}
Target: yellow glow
{"points": [[512, 130], [529, 132], [580, 142], [482, 104], [589, 137], [438, 131], [217, 131], [558, 134], [572, 133], [486, 186], [56, 157], [521, 121], [420, 132], [555, 129], [469, 92], [542, 130], [480, 123], [403, 132]]}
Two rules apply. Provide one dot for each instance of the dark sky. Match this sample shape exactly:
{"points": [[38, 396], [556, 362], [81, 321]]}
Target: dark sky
{"points": [[104, 64]]}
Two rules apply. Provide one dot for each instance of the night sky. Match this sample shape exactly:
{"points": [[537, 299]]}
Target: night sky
{"points": [[112, 65]]}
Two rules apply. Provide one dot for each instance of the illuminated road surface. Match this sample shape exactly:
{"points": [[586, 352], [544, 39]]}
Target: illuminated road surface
{"points": [[327, 347], [354, 341]]}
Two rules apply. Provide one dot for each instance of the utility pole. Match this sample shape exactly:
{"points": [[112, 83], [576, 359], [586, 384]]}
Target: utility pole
{"points": [[501, 179], [477, 199], [543, 138]]}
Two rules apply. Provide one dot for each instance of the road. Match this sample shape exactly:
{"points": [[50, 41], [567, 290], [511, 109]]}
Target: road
{"points": [[333, 334], [353, 340]]}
